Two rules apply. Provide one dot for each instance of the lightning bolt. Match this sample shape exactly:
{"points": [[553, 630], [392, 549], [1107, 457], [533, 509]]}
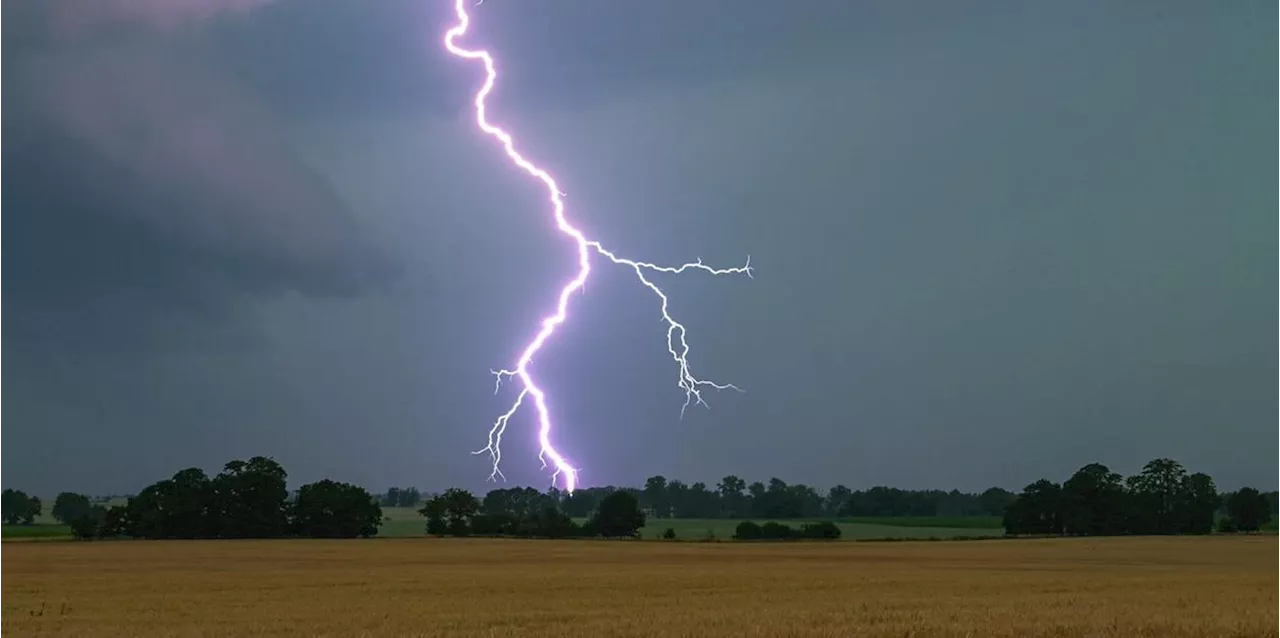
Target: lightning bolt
{"points": [[677, 345]]}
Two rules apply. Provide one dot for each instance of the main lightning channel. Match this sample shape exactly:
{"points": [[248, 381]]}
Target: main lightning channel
{"points": [[676, 342]]}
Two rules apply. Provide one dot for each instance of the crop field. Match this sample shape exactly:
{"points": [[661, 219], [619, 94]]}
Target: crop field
{"points": [[405, 521], [1167, 587], [35, 532]]}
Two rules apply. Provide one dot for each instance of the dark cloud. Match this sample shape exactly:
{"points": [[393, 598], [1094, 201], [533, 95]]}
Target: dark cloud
{"points": [[143, 187], [993, 243]]}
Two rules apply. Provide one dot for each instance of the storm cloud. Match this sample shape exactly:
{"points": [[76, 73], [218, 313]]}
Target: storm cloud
{"points": [[142, 181], [992, 243]]}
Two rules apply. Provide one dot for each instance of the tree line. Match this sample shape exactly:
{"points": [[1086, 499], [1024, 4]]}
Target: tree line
{"points": [[734, 498], [1161, 499], [247, 499], [19, 508], [528, 513]]}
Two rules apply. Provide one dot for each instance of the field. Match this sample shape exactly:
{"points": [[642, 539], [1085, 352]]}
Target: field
{"points": [[1167, 587], [405, 521], [41, 531]]}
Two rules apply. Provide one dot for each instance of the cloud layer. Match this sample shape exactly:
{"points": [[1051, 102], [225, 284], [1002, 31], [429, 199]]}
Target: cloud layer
{"points": [[144, 186]]}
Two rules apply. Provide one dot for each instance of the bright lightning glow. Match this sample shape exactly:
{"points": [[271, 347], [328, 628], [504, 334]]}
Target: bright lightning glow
{"points": [[676, 343]]}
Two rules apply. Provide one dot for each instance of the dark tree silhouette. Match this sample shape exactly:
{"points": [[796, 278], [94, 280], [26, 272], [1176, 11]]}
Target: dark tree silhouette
{"points": [[1036, 510], [69, 506], [1247, 510], [18, 508], [329, 509], [1094, 502], [619, 515]]}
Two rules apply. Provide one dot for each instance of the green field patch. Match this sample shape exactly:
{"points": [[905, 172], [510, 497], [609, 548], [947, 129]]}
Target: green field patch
{"points": [[406, 521], [723, 529], [36, 531], [956, 522]]}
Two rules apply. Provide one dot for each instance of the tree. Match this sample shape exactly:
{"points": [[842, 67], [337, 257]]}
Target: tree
{"points": [[1035, 510], [17, 508], [1247, 510], [435, 510], [1093, 502], [69, 506], [837, 501], [678, 499], [548, 523], [583, 502], [189, 505], [732, 501], [87, 524], [460, 505], [451, 512], [702, 502], [179, 507], [329, 509], [619, 515], [409, 497], [392, 497], [1200, 501], [824, 530], [249, 499], [655, 496], [773, 530], [747, 531], [994, 500], [1158, 498], [115, 523]]}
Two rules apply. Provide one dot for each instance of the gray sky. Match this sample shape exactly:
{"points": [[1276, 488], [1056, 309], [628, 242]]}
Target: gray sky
{"points": [[993, 241]]}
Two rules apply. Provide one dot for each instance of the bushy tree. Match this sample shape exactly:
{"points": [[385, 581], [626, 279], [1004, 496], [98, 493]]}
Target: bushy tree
{"points": [[1094, 502], [773, 530], [1200, 502], [87, 524], [449, 513], [249, 499], [994, 500], [18, 508], [69, 506], [1247, 510], [655, 498], [823, 530], [548, 523], [329, 509], [619, 515], [747, 531], [435, 511], [1158, 498], [1035, 510]]}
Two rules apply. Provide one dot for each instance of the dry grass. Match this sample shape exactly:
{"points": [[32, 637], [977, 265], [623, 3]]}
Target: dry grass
{"points": [[1165, 587]]}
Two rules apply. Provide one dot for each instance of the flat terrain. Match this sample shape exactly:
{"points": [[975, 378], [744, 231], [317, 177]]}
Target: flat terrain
{"points": [[405, 521], [1167, 587]]}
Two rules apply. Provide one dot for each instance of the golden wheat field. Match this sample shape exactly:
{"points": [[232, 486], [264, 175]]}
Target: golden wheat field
{"points": [[1165, 587]]}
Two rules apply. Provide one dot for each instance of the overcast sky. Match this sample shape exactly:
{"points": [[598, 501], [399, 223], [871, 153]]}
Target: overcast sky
{"points": [[994, 241]]}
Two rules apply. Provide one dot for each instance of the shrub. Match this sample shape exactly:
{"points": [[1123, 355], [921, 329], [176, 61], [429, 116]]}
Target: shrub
{"points": [[747, 531], [774, 530], [825, 530], [669, 534]]}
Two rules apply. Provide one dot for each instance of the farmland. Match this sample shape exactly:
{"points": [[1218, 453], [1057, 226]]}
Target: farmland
{"points": [[404, 521], [1220, 586]]}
